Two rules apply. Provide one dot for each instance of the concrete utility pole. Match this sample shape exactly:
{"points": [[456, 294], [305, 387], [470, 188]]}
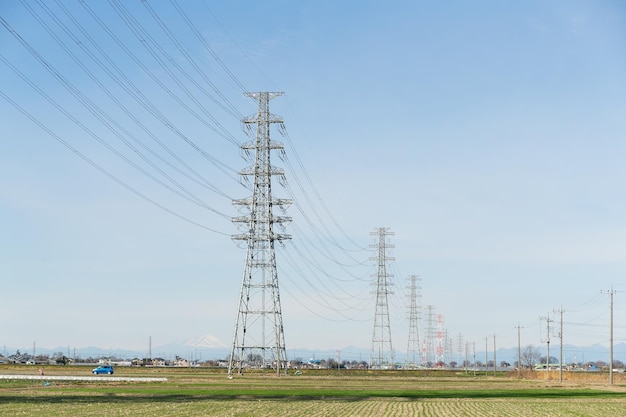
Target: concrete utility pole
{"points": [[519, 351], [560, 345], [474, 356], [486, 355], [611, 293], [460, 348], [495, 363], [611, 355], [382, 351], [547, 319], [258, 337]]}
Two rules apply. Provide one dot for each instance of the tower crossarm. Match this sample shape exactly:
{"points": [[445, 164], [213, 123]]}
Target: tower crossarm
{"points": [[275, 219], [252, 145], [252, 171], [261, 238], [256, 118], [280, 202]]}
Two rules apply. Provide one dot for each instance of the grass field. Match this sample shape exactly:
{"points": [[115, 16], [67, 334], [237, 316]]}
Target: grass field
{"points": [[202, 392]]}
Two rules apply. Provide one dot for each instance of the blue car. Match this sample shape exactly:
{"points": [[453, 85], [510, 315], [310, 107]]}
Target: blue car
{"points": [[104, 369]]}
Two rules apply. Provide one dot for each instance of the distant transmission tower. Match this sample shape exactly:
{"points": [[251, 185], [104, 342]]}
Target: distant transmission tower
{"points": [[429, 348], [259, 340], [440, 350], [413, 346], [382, 351]]}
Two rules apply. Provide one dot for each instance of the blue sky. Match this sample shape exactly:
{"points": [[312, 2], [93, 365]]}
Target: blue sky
{"points": [[488, 136]]}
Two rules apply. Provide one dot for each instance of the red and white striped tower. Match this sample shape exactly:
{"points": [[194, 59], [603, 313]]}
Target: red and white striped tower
{"points": [[439, 350]]}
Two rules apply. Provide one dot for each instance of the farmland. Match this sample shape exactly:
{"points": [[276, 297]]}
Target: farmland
{"points": [[201, 392]]}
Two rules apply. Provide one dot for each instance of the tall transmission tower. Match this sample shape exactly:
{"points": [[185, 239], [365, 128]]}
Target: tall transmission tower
{"points": [[413, 345], [382, 351], [258, 339]]}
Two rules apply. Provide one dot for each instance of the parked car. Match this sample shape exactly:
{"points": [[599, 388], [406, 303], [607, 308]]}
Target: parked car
{"points": [[104, 369]]}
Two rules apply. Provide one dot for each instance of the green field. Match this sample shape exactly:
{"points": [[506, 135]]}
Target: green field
{"points": [[202, 392]]}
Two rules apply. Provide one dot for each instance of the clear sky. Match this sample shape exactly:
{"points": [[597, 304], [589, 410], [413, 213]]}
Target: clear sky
{"points": [[488, 136]]}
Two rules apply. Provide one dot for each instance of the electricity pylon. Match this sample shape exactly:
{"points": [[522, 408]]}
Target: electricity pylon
{"points": [[413, 345], [440, 349], [429, 348], [382, 351], [258, 339]]}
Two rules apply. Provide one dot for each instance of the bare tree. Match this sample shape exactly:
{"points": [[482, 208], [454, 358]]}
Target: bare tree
{"points": [[530, 356]]}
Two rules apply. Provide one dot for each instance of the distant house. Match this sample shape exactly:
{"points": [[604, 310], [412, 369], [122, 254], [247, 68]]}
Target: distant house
{"points": [[181, 362], [21, 358], [159, 362], [312, 364]]}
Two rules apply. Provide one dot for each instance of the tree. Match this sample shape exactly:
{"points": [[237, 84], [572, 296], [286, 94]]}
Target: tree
{"points": [[530, 356], [553, 359], [254, 358]]}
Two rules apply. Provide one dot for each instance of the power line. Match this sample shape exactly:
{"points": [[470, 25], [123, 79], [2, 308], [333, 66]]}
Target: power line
{"points": [[102, 170]]}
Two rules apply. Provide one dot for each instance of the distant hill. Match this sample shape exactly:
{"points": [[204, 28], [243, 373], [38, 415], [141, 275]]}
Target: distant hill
{"points": [[209, 347]]}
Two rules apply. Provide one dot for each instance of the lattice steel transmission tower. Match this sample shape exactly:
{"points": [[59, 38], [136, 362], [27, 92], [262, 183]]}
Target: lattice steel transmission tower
{"points": [[258, 339], [413, 345], [440, 348], [429, 346], [382, 350]]}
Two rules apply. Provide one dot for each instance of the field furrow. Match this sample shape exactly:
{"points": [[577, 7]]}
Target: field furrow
{"points": [[195, 393]]}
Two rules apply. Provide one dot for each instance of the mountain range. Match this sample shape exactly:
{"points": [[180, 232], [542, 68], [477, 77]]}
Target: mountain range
{"points": [[209, 347]]}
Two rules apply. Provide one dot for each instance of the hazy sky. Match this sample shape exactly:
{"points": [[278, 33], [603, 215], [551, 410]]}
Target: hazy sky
{"points": [[488, 136]]}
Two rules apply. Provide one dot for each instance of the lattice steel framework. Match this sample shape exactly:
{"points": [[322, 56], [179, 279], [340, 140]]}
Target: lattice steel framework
{"points": [[381, 355], [413, 345], [258, 339], [440, 349], [429, 348]]}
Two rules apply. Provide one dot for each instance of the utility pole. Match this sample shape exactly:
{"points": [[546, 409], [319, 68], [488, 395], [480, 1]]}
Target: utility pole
{"points": [[381, 336], [519, 351], [611, 355], [611, 337], [495, 363], [560, 344], [413, 345], [611, 293], [466, 357], [547, 319], [486, 355], [460, 347], [474, 356], [258, 336]]}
